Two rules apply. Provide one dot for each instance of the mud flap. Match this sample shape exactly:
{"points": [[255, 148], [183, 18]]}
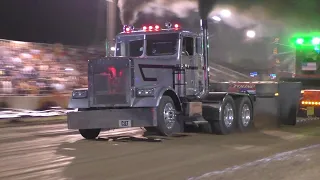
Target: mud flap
{"points": [[288, 102], [265, 107]]}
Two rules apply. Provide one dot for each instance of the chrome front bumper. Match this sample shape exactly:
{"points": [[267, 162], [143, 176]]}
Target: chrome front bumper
{"points": [[112, 118]]}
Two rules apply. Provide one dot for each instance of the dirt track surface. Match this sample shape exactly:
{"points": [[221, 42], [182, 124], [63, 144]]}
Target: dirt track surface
{"points": [[51, 152]]}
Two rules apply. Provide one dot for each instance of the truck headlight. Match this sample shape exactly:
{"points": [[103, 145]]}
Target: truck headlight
{"points": [[145, 92], [79, 94]]}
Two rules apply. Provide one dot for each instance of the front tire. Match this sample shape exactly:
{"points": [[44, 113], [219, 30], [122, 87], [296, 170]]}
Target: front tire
{"points": [[168, 121], [90, 133]]}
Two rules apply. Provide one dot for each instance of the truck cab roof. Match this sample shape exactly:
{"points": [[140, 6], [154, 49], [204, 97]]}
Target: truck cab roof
{"points": [[154, 41], [131, 31]]}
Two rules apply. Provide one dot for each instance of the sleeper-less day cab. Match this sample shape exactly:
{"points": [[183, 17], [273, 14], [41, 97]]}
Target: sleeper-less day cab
{"points": [[158, 79]]}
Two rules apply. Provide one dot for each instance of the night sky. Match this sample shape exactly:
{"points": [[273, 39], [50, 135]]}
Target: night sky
{"points": [[82, 22], [72, 22]]}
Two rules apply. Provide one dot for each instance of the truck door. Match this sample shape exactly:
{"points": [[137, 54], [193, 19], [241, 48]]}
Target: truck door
{"points": [[188, 59]]}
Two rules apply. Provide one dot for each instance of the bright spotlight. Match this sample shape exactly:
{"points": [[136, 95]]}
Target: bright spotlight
{"points": [[216, 18], [251, 34], [225, 13], [316, 41], [113, 48]]}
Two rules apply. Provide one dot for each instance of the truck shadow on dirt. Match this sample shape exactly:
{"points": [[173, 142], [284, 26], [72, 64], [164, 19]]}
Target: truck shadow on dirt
{"points": [[108, 156]]}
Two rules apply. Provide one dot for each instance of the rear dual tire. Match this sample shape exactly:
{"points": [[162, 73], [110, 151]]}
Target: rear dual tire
{"points": [[245, 114], [233, 114], [226, 125]]}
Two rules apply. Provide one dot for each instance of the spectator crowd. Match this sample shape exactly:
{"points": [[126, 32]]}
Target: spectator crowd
{"points": [[41, 69]]}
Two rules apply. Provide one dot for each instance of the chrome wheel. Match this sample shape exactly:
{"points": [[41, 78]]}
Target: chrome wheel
{"points": [[169, 115], [228, 115], [245, 115]]}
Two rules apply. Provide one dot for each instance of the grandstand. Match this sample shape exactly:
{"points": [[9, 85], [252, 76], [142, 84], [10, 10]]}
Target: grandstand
{"points": [[34, 68]]}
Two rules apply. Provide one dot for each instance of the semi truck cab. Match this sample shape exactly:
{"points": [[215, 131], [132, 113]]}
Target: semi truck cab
{"points": [[157, 79]]}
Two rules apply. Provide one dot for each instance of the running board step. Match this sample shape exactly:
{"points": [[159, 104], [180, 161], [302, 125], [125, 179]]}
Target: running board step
{"points": [[196, 123], [200, 122], [196, 120]]}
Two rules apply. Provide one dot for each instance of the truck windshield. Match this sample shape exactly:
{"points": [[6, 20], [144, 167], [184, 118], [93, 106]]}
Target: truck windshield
{"points": [[162, 44], [131, 48], [156, 45]]}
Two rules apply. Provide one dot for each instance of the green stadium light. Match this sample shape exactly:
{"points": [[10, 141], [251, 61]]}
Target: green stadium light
{"points": [[299, 41], [316, 41]]}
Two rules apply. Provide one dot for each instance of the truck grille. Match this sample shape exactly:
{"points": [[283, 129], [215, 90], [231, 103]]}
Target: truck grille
{"points": [[109, 82]]}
